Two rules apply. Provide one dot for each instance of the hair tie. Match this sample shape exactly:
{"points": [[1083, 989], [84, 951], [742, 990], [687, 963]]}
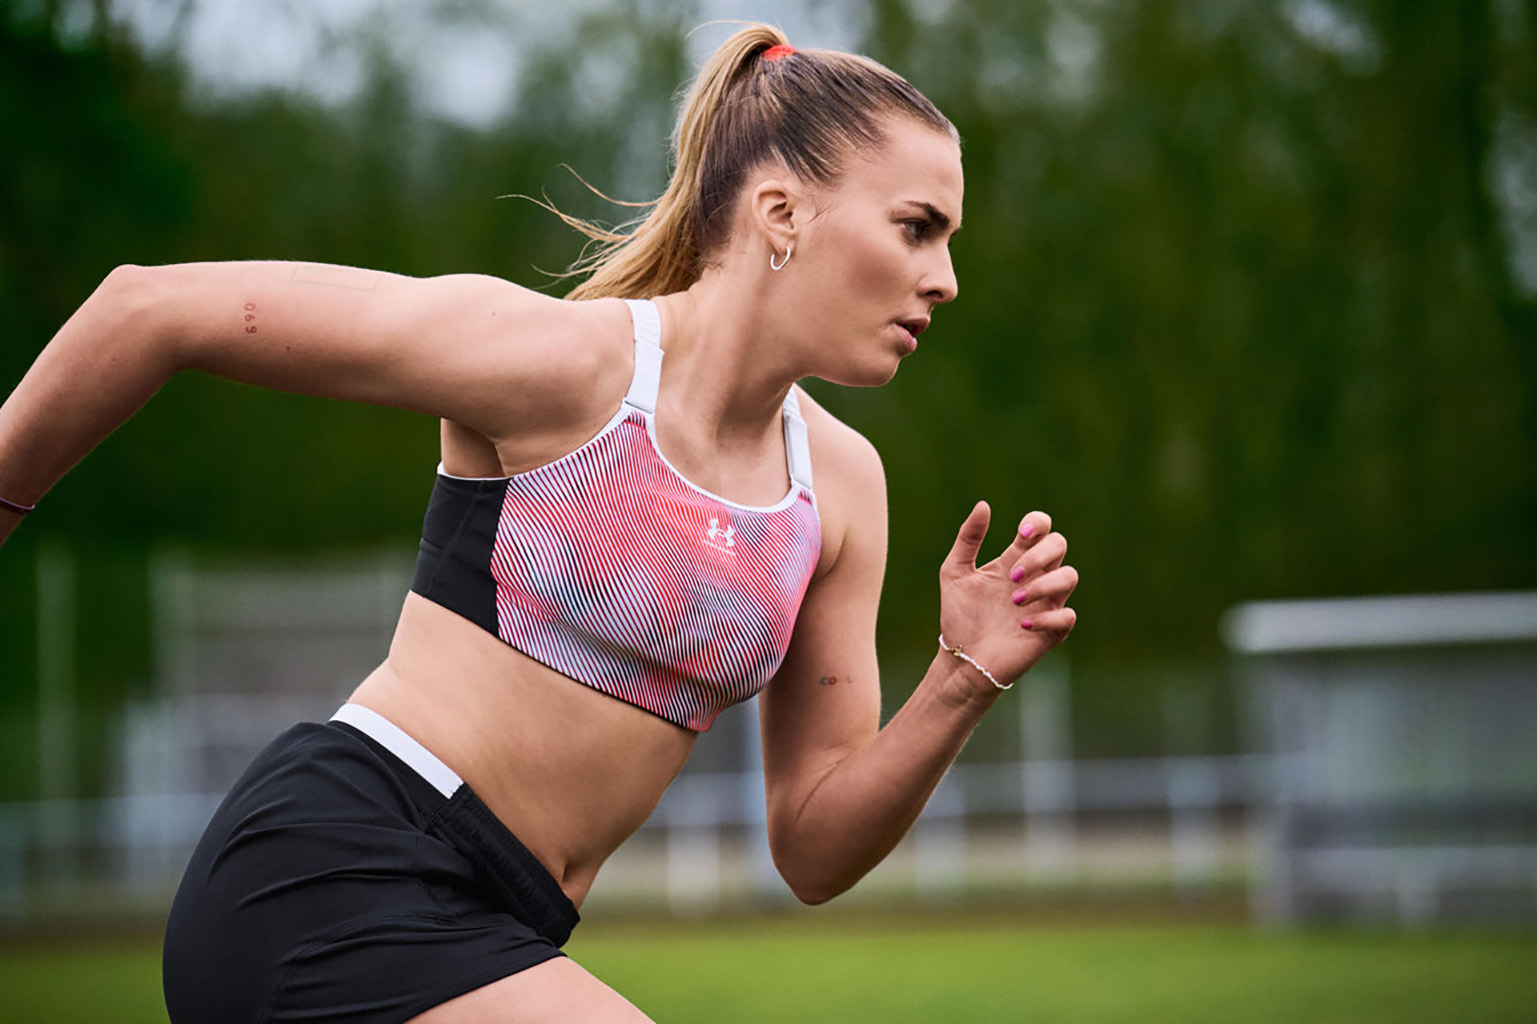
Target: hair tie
{"points": [[778, 51]]}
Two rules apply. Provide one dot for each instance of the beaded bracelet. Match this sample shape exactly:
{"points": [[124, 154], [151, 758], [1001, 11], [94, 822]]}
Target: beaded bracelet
{"points": [[973, 662], [16, 506]]}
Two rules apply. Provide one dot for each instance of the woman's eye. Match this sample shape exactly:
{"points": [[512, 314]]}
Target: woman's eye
{"points": [[916, 228]]}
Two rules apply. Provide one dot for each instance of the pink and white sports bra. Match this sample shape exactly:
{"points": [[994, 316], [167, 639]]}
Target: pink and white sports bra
{"points": [[610, 567]]}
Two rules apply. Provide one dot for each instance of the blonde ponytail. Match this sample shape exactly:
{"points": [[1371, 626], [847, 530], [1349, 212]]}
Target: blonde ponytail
{"points": [[807, 110]]}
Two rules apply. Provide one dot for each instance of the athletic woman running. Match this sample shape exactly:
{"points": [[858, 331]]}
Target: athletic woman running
{"points": [[624, 539]]}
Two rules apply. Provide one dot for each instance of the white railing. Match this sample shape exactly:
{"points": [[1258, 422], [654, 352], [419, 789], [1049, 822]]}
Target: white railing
{"points": [[988, 823], [706, 845], [1362, 697]]}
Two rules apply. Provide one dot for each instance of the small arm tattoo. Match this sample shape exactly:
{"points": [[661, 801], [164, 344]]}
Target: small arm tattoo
{"points": [[834, 680], [250, 318]]}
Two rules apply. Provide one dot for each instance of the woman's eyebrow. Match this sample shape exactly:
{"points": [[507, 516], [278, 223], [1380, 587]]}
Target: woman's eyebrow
{"points": [[939, 217]]}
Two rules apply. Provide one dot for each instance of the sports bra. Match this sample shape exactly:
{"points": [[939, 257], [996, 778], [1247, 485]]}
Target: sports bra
{"points": [[610, 567]]}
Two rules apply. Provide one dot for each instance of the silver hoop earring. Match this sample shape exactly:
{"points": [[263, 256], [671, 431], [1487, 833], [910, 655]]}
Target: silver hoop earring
{"points": [[781, 264]]}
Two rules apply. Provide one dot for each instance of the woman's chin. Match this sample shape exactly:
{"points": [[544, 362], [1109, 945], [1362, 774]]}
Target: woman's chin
{"points": [[871, 375]]}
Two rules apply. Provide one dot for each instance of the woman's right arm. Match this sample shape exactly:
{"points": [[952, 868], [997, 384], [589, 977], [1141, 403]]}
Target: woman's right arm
{"points": [[455, 347]]}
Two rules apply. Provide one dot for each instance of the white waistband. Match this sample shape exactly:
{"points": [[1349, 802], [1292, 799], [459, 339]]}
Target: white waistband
{"points": [[395, 739]]}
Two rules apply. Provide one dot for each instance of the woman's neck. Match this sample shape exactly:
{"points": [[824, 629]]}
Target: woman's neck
{"points": [[725, 360]]}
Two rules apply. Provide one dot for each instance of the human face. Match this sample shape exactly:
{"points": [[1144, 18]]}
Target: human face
{"points": [[874, 258]]}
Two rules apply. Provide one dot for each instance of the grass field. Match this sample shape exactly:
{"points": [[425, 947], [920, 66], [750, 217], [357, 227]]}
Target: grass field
{"points": [[893, 969]]}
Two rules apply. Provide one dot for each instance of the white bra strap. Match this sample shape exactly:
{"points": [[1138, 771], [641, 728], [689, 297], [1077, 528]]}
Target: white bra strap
{"points": [[648, 355], [648, 378], [797, 447]]}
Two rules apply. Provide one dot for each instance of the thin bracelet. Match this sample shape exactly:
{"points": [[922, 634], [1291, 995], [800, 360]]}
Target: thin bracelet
{"points": [[973, 662], [16, 506]]}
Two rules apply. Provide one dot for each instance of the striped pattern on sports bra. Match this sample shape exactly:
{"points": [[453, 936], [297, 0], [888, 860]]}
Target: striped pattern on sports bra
{"points": [[613, 569]]}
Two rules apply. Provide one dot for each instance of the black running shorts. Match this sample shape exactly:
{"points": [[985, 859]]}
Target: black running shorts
{"points": [[336, 884]]}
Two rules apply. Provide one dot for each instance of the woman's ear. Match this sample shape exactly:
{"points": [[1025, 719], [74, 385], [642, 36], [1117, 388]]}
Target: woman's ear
{"points": [[772, 210]]}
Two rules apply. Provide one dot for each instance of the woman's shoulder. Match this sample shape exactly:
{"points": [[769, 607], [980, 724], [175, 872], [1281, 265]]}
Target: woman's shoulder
{"points": [[555, 366], [560, 348], [532, 320], [850, 484], [839, 453], [587, 337]]}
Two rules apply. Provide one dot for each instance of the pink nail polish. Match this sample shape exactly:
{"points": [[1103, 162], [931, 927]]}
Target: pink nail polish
{"points": [[1017, 575], [1027, 624], [1019, 596], [1027, 529]]}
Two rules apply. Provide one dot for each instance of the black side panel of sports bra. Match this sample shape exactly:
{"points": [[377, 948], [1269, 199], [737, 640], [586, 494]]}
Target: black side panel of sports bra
{"points": [[453, 568]]}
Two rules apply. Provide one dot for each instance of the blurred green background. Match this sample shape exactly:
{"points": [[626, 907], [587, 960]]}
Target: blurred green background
{"points": [[1248, 292], [1248, 303]]}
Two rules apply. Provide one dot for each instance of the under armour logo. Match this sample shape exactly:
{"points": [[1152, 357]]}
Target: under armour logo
{"points": [[718, 537]]}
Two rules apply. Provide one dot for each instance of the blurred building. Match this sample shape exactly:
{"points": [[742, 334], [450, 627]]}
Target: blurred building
{"points": [[1403, 777]]}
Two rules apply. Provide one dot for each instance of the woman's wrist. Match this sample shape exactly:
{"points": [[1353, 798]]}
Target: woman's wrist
{"points": [[960, 686], [959, 651]]}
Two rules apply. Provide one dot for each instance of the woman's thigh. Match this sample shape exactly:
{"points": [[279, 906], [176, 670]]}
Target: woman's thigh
{"points": [[558, 991]]}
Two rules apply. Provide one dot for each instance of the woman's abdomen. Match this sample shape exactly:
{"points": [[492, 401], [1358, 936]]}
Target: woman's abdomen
{"points": [[569, 770]]}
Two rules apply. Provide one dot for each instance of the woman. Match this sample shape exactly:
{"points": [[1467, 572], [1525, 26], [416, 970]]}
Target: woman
{"points": [[619, 545]]}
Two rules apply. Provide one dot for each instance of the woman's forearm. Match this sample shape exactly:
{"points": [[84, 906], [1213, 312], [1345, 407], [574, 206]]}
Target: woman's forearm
{"points": [[864, 806], [102, 365]]}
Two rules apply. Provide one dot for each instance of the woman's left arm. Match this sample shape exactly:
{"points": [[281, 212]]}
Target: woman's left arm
{"points": [[842, 790]]}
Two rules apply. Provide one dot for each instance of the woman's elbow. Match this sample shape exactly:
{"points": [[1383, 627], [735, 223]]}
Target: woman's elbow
{"points": [[809, 881], [813, 896], [128, 293], [127, 283], [132, 299]]}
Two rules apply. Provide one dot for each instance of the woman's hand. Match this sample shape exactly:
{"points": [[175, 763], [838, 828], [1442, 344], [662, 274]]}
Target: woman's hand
{"points": [[1008, 613]]}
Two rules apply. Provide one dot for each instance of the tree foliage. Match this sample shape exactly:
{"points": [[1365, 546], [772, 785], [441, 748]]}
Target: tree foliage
{"points": [[1242, 298], [1237, 305]]}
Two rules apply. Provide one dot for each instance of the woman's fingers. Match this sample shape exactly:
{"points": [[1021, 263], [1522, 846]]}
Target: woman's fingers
{"points": [[1053, 620], [968, 542], [1043, 556], [1029, 533], [1053, 587]]}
